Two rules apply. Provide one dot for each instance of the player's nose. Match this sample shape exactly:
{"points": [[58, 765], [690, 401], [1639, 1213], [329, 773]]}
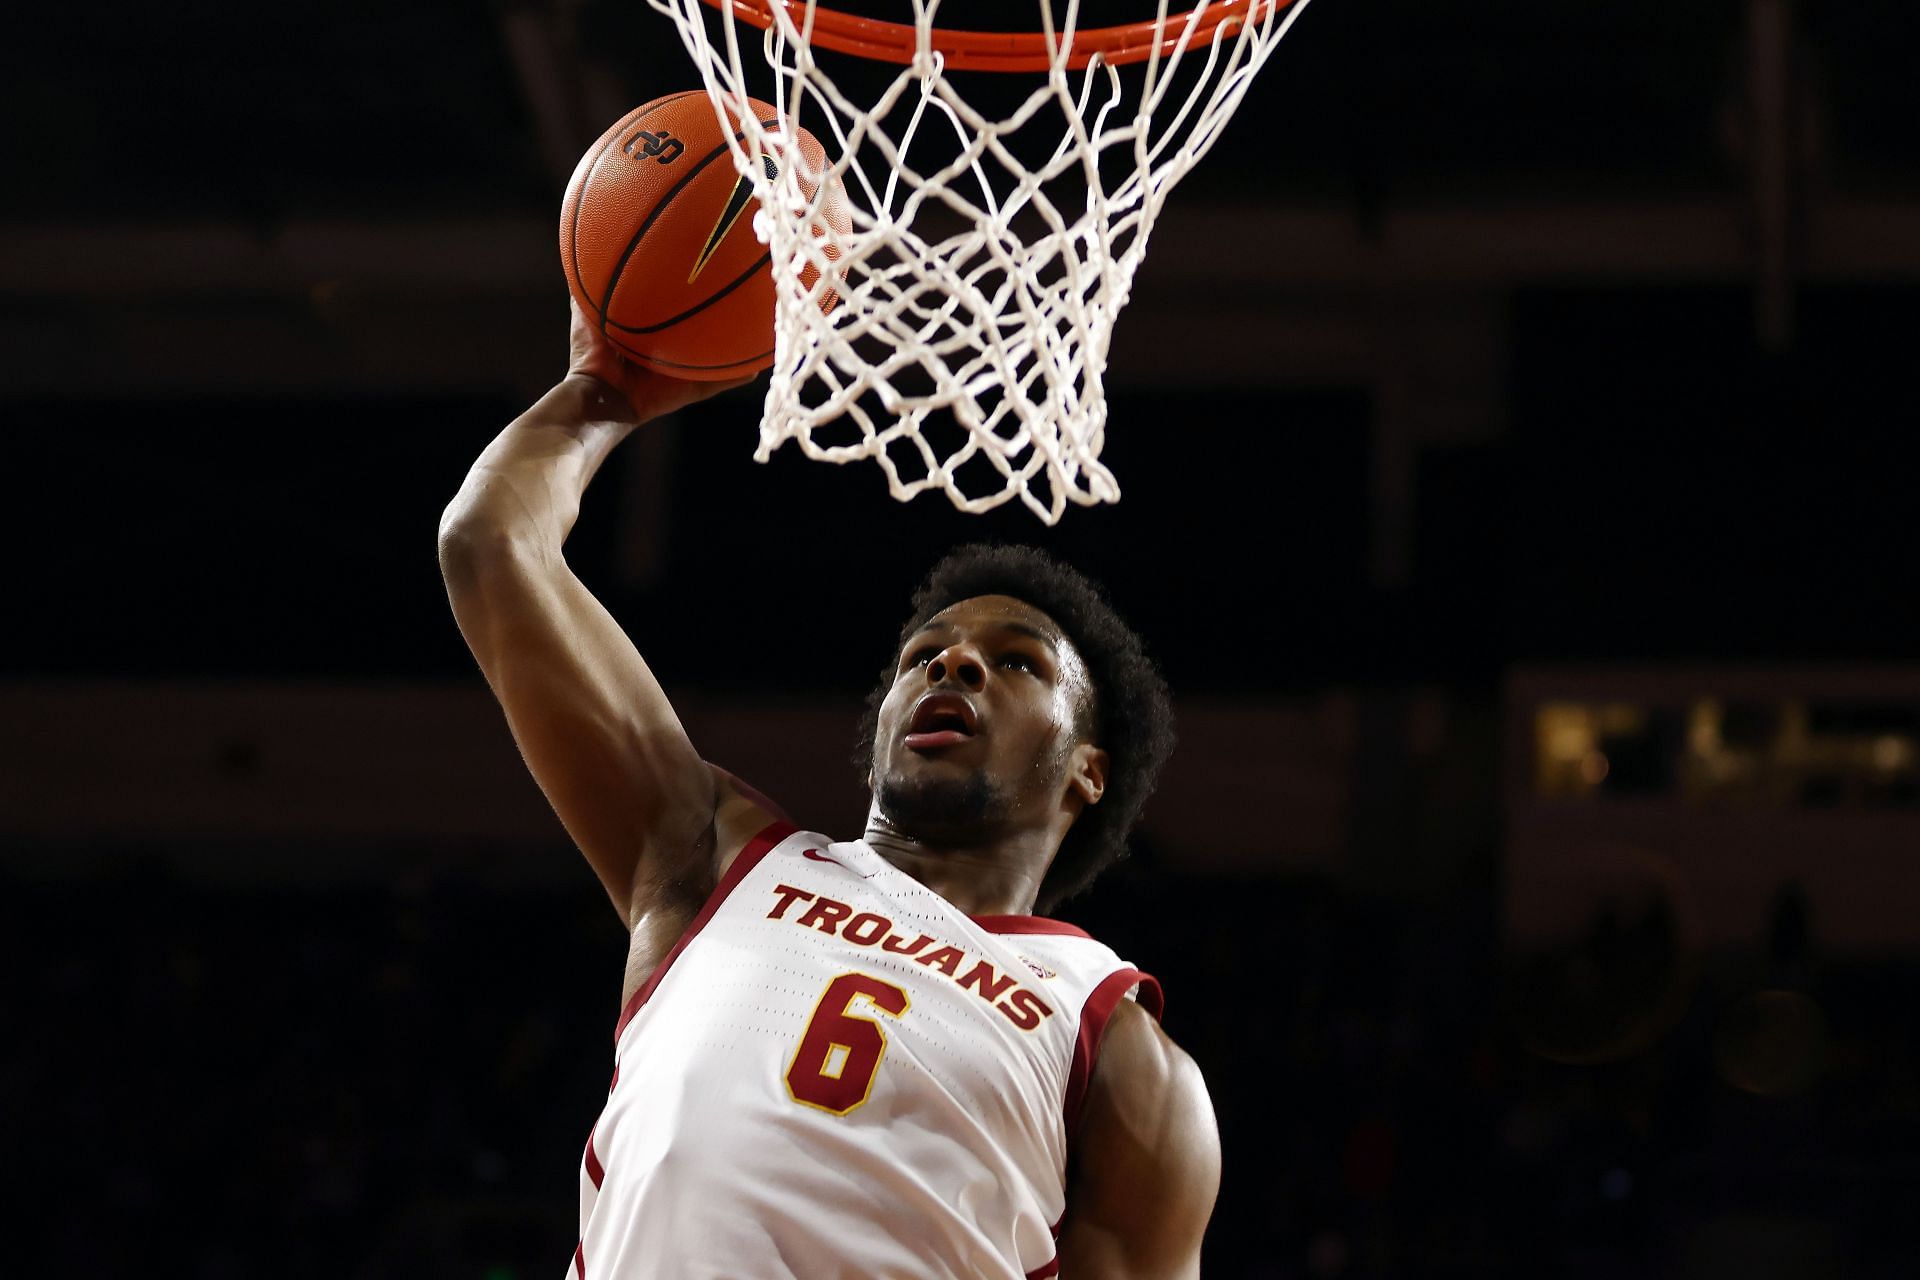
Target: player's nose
{"points": [[958, 664]]}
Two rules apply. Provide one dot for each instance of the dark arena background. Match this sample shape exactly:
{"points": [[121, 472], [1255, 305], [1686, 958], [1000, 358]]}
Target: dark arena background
{"points": [[1516, 424]]}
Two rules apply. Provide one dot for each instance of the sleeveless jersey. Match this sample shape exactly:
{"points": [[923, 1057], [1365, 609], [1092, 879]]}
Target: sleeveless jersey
{"points": [[836, 1074]]}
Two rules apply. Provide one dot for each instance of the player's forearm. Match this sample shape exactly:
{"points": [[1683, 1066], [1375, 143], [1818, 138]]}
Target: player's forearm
{"points": [[524, 490]]}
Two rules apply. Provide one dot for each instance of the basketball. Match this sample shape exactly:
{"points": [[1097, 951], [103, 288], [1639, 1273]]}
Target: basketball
{"points": [[658, 244]]}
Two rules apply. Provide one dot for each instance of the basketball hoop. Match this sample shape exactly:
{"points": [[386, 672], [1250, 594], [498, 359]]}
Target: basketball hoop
{"points": [[988, 258], [1002, 50]]}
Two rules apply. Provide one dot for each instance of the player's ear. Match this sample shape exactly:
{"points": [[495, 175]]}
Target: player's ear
{"points": [[1088, 776]]}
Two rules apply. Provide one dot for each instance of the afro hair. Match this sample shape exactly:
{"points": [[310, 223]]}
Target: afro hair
{"points": [[1132, 714]]}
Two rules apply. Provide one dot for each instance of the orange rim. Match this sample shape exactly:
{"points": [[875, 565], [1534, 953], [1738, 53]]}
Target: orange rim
{"points": [[1003, 50]]}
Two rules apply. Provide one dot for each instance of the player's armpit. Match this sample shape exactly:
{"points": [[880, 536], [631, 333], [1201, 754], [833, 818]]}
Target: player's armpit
{"points": [[1146, 1164], [740, 814]]}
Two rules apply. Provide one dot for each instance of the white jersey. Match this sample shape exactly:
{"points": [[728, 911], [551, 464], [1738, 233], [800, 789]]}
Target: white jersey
{"points": [[836, 1073]]}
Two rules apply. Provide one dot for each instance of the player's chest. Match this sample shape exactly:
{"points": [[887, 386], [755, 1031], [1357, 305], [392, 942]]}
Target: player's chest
{"points": [[839, 993]]}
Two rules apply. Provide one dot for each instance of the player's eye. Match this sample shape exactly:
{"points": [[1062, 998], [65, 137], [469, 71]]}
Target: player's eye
{"points": [[922, 656], [1019, 662]]}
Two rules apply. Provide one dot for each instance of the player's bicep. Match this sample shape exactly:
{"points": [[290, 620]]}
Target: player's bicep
{"points": [[1147, 1161], [594, 726]]}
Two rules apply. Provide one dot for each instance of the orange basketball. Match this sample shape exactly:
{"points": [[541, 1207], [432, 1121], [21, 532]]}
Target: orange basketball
{"points": [[657, 240]]}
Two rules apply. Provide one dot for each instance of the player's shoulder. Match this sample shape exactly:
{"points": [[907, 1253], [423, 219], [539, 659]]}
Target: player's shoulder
{"points": [[1142, 1067], [1145, 1086], [1148, 1138]]}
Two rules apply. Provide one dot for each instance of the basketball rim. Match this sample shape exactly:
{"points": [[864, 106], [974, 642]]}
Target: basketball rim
{"points": [[1013, 51]]}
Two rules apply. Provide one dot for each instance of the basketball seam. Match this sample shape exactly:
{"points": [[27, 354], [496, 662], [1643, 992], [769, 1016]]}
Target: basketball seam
{"points": [[652, 215], [731, 364], [586, 179], [702, 305]]}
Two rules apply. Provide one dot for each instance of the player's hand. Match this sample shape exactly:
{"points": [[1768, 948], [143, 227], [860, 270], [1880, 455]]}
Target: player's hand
{"points": [[651, 394]]}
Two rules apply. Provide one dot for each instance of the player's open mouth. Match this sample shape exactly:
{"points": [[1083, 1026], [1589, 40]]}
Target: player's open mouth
{"points": [[941, 720]]}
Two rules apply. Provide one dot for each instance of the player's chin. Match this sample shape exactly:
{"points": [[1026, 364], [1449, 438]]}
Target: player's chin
{"points": [[940, 767], [939, 800]]}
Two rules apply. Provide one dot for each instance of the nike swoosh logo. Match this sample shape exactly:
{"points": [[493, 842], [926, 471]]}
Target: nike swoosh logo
{"points": [[737, 202]]}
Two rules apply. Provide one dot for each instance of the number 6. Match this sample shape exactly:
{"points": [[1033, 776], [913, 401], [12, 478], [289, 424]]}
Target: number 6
{"points": [[814, 1077]]}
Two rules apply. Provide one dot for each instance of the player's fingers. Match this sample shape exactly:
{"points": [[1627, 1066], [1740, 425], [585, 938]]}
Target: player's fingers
{"points": [[588, 352]]}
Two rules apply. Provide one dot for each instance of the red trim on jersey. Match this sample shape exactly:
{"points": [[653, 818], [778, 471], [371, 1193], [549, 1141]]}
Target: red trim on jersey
{"points": [[1045, 1270], [1028, 924], [749, 858], [1101, 1003], [595, 1170], [580, 1260]]}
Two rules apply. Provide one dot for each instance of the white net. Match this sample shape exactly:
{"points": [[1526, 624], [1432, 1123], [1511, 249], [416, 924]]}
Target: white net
{"points": [[992, 242]]}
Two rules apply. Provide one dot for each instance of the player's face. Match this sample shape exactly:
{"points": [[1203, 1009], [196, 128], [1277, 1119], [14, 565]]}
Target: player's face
{"points": [[980, 725]]}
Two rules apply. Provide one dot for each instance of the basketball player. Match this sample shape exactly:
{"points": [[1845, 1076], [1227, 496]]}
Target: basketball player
{"points": [[861, 1058]]}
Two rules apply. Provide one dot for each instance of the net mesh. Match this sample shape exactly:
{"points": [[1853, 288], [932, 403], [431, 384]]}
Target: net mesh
{"points": [[958, 333]]}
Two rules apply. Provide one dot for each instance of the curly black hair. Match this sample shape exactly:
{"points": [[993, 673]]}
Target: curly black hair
{"points": [[1132, 714]]}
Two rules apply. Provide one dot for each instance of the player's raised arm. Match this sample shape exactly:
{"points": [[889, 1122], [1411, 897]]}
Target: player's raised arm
{"points": [[592, 722]]}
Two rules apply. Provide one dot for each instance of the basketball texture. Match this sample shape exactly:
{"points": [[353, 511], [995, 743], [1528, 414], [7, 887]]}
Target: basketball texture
{"points": [[657, 240]]}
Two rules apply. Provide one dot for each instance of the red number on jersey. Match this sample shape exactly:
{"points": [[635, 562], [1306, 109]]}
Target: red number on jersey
{"points": [[840, 1051]]}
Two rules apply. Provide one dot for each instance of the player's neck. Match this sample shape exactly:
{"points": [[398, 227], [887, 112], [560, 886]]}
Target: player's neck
{"points": [[993, 878]]}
